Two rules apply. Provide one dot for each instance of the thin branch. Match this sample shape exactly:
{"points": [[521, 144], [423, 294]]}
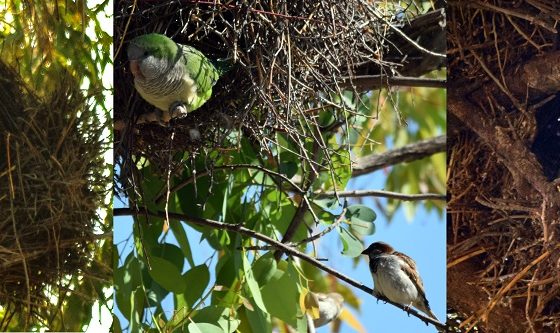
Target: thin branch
{"points": [[531, 18], [324, 231], [405, 36], [408, 153], [371, 82], [385, 194], [238, 228]]}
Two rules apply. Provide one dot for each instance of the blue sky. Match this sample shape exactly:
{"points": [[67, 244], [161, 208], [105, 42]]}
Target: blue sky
{"points": [[423, 239]]}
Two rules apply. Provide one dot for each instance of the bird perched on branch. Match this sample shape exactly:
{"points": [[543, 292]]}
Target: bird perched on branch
{"points": [[396, 278], [174, 78], [321, 309], [330, 307]]}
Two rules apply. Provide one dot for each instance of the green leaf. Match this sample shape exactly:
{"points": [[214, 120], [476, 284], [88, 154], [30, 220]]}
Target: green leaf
{"points": [[204, 328], [171, 253], [196, 280], [204, 197], [361, 219], [218, 315], [147, 230], [340, 171], [257, 321], [252, 284], [136, 309], [264, 268], [288, 168], [193, 328], [281, 296], [77, 311], [151, 187], [352, 246], [116, 325], [178, 230], [228, 269], [127, 278], [326, 117], [166, 274], [328, 204]]}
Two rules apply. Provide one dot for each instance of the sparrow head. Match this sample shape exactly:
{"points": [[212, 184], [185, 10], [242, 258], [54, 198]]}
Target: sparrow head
{"points": [[337, 298], [378, 248]]}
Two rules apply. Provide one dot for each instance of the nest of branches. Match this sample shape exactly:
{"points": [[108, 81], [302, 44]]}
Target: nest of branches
{"points": [[51, 185], [504, 154], [291, 61]]}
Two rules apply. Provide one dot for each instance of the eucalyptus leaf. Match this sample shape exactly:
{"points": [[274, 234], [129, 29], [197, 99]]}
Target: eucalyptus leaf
{"points": [[220, 315], [352, 246], [204, 328], [166, 274], [361, 219], [196, 280], [264, 268], [281, 296], [252, 284]]}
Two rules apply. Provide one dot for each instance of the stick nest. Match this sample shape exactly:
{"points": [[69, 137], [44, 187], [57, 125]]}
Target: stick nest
{"points": [[292, 62], [51, 186], [502, 231]]}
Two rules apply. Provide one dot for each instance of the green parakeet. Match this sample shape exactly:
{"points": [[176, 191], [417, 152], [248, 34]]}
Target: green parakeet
{"points": [[175, 78]]}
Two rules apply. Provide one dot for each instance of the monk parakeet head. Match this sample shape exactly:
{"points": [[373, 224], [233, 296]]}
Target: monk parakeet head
{"points": [[169, 75]]}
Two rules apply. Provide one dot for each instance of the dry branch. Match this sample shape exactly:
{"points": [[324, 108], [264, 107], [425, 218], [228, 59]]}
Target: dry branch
{"points": [[408, 153]]}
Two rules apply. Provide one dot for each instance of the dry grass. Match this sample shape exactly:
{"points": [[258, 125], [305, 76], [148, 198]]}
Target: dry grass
{"points": [[51, 186]]}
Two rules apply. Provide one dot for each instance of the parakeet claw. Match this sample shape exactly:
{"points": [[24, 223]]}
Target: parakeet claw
{"points": [[178, 110]]}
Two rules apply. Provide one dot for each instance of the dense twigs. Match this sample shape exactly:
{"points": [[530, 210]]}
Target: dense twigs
{"points": [[292, 63], [504, 210]]}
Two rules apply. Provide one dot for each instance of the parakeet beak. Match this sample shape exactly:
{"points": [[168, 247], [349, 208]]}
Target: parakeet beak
{"points": [[135, 69]]}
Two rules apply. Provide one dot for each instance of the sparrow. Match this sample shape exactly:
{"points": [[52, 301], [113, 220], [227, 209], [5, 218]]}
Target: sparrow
{"points": [[330, 307], [396, 278]]}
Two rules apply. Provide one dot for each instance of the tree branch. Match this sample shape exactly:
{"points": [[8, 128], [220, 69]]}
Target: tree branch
{"points": [[324, 231], [408, 153], [238, 228], [372, 82], [385, 194], [513, 154]]}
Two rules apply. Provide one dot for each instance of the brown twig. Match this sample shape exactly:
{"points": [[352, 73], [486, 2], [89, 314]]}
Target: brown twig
{"points": [[385, 194], [408, 153]]}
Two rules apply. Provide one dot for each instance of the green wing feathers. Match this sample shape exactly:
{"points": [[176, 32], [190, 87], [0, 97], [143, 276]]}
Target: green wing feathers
{"points": [[201, 70]]}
